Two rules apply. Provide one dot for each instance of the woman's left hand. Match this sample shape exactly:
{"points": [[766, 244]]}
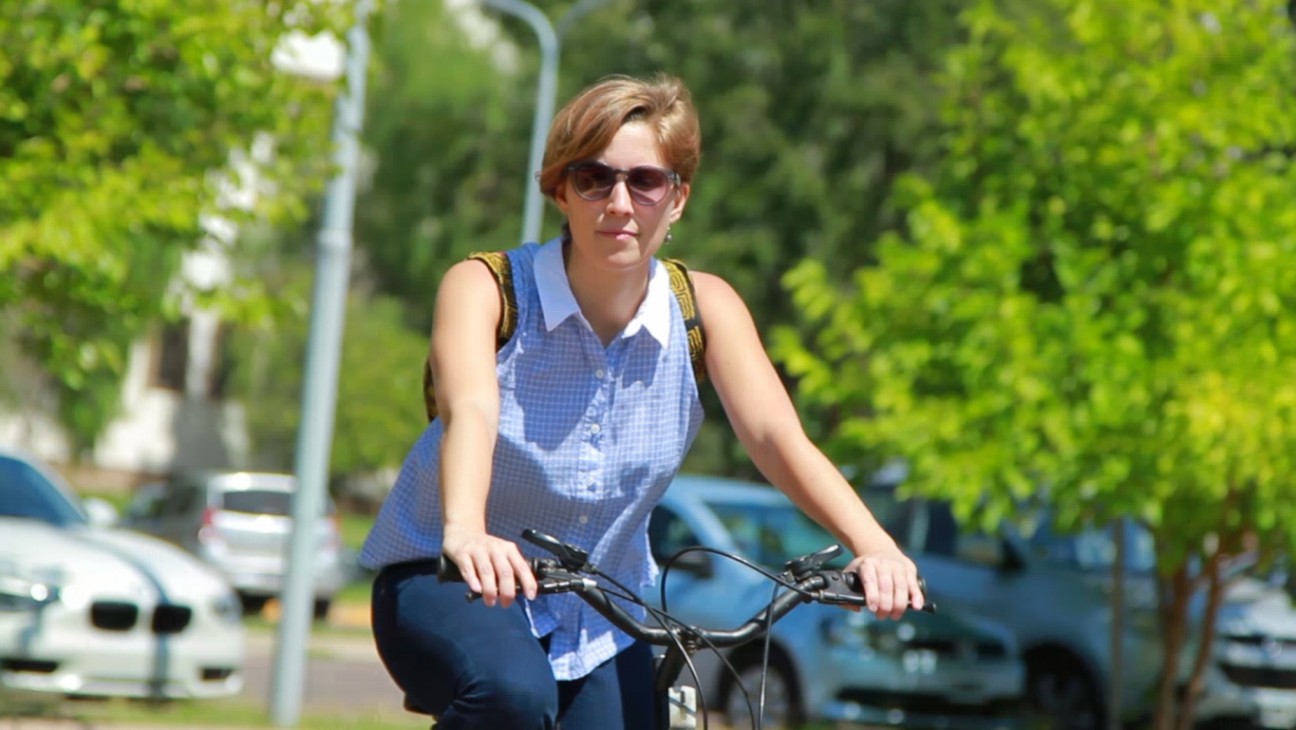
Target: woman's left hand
{"points": [[890, 583]]}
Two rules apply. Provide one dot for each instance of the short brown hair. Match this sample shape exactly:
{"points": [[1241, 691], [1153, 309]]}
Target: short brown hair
{"points": [[585, 126]]}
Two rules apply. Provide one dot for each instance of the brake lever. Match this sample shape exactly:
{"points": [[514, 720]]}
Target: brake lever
{"points": [[571, 557], [807, 564]]}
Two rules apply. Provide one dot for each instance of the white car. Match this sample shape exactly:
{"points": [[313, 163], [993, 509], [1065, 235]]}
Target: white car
{"points": [[89, 610]]}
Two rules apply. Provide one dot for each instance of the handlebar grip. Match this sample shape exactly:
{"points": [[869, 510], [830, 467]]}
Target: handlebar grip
{"points": [[448, 570], [853, 582]]}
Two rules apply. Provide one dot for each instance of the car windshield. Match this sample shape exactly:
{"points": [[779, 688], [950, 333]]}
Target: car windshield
{"points": [[1094, 549], [259, 501], [264, 502], [771, 535], [25, 492]]}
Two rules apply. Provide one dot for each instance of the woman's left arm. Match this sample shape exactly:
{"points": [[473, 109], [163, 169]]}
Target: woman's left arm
{"points": [[767, 424]]}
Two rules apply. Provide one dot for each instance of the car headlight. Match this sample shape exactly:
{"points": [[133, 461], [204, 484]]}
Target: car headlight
{"points": [[227, 608], [861, 631], [21, 594]]}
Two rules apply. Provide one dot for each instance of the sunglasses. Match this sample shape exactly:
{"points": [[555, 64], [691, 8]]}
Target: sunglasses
{"points": [[648, 185]]}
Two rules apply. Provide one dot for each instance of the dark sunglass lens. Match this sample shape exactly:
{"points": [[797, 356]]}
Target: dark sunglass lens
{"points": [[593, 180], [648, 180]]}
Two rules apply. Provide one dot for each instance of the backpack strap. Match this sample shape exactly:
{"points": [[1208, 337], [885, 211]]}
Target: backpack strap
{"points": [[498, 263], [682, 286]]}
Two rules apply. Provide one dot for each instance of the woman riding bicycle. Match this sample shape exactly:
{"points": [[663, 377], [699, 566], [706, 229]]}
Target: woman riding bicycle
{"points": [[575, 427]]}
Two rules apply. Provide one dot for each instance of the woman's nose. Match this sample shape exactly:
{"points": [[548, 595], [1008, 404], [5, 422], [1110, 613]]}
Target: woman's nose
{"points": [[619, 202]]}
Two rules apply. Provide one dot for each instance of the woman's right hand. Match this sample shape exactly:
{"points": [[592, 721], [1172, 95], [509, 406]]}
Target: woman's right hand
{"points": [[491, 566]]}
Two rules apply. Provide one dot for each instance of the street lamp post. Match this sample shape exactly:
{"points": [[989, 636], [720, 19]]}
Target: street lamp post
{"points": [[319, 392], [546, 91], [546, 88]]}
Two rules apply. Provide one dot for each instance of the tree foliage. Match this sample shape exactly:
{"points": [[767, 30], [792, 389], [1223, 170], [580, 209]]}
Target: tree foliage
{"points": [[375, 419], [115, 116], [1096, 289], [447, 131]]}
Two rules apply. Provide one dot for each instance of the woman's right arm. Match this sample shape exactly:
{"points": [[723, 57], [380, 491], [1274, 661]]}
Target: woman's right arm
{"points": [[467, 394]]}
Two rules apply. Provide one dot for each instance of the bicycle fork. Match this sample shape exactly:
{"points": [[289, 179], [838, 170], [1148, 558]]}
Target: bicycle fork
{"points": [[676, 706]]}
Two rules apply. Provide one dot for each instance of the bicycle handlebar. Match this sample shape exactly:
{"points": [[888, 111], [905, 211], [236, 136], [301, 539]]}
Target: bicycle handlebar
{"points": [[822, 585]]}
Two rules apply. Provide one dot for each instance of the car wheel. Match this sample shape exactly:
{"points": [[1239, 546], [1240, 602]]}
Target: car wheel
{"points": [[782, 701], [1063, 696]]}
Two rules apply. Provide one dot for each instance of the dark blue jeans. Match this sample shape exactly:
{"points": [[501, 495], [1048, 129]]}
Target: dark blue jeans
{"points": [[475, 667]]}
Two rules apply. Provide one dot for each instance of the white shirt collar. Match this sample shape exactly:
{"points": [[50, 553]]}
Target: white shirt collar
{"points": [[558, 303]]}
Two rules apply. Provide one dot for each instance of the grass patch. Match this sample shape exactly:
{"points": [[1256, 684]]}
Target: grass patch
{"points": [[118, 499], [267, 625], [354, 528], [225, 713], [357, 592]]}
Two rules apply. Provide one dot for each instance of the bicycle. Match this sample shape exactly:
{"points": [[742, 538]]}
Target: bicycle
{"points": [[804, 579]]}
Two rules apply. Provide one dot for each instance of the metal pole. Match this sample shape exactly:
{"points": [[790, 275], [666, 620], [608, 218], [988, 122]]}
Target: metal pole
{"points": [[546, 89], [319, 391]]}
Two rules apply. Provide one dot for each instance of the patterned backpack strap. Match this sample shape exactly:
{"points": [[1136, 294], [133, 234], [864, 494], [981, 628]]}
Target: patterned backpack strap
{"points": [[682, 285], [498, 262]]}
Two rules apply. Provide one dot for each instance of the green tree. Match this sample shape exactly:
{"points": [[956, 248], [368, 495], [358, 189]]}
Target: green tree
{"points": [[375, 418], [114, 117], [1096, 289], [448, 129]]}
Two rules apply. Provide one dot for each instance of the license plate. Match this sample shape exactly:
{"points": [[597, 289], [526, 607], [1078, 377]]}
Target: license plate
{"points": [[1282, 718]]}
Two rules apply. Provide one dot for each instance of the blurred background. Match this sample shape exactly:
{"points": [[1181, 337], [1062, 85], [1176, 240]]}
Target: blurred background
{"points": [[1036, 256]]}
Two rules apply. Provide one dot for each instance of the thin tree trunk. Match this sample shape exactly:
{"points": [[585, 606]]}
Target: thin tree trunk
{"points": [[1215, 595], [1116, 687], [1175, 620]]}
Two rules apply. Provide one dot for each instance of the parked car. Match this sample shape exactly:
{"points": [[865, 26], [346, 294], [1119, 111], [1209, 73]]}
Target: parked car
{"points": [[97, 611], [240, 522], [948, 670], [1054, 591]]}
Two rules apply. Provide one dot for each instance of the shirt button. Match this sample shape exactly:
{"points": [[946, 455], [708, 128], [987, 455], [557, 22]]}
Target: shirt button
{"points": [[595, 428], [584, 519], [599, 373]]}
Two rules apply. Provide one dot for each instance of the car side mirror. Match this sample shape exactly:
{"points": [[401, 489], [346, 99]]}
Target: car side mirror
{"points": [[1014, 560], [694, 563]]}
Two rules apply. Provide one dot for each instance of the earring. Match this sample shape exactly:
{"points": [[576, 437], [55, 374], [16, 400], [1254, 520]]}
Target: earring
{"points": [[669, 235]]}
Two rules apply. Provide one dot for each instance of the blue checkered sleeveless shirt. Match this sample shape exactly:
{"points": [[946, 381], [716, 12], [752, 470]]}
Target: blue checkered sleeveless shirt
{"points": [[589, 438]]}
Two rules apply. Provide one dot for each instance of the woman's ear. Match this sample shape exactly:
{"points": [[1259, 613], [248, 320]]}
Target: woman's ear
{"points": [[681, 198], [560, 197]]}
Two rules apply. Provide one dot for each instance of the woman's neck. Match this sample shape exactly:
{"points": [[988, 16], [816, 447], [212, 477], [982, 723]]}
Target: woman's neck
{"points": [[609, 300]]}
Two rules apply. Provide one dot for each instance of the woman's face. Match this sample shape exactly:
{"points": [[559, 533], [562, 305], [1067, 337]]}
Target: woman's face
{"points": [[620, 231]]}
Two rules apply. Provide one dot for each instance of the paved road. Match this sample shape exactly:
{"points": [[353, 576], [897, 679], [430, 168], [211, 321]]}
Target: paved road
{"points": [[341, 673]]}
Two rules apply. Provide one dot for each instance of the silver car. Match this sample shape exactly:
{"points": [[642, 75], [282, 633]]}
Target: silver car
{"points": [[240, 523], [948, 670], [90, 610]]}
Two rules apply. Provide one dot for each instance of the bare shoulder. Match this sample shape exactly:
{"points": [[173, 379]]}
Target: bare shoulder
{"points": [[468, 293], [470, 273], [467, 282], [716, 296]]}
